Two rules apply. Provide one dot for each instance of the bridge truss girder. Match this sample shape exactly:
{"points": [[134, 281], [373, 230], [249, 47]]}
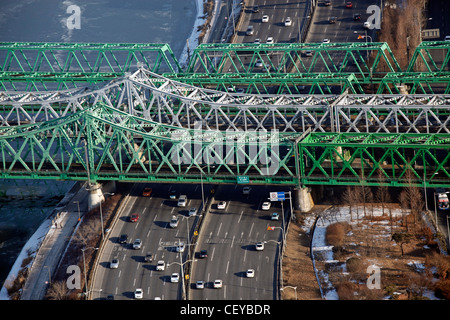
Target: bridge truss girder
{"points": [[164, 100]]}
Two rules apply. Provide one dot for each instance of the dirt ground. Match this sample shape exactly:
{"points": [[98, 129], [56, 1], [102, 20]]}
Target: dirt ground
{"points": [[369, 240]]}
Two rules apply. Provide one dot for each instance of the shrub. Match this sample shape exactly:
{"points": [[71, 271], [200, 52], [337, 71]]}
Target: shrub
{"points": [[443, 289], [355, 264], [346, 290], [335, 233]]}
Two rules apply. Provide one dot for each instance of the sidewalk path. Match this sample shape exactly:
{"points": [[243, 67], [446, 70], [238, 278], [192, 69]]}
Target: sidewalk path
{"points": [[53, 246]]}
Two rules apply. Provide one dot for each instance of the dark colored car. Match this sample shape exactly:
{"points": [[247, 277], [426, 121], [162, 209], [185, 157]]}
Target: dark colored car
{"points": [[357, 17], [123, 238], [332, 19], [203, 254]]}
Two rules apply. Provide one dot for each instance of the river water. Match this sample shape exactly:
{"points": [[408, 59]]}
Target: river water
{"points": [[24, 204]]}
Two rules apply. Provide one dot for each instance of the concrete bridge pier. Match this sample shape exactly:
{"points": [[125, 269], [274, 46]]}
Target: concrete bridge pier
{"points": [[303, 199], [96, 193]]}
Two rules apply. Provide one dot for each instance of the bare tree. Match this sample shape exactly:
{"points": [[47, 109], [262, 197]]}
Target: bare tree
{"points": [[58, 291], [350, 199], [382, 193]]}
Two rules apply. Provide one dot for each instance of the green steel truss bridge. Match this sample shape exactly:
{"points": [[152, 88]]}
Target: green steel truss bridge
{"points": [[63, 117]]}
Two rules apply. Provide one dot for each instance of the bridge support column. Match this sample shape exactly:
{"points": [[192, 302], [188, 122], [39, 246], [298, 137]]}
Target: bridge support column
{"points": [[95, 196], [96, 193], [303, 199]]}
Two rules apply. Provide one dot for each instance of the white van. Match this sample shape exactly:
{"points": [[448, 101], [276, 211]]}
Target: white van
{"points": [[182, 200]]}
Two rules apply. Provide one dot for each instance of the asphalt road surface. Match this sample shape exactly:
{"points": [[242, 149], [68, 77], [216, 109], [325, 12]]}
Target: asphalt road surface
{"points": [[229, 235], [157, 237]]}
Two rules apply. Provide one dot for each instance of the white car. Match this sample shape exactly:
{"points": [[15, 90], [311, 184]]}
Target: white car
{"points": [[269, 40], [259, 246], [326, 41], [366, 25], [288, 22], [137, 244], [114, 264], [265, 18], [192, 212], [217, 284], [266, 205], [174, 222], [181, 247], [221, 205], [138, 293], [250, 273], [274, 216], [257, 41], [160, 265], [200, 284], [175, 277]]}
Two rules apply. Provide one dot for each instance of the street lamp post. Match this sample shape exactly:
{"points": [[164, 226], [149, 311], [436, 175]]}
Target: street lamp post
{"points": [[84, 269], [101, 215], [79, 215], [181, 264]]}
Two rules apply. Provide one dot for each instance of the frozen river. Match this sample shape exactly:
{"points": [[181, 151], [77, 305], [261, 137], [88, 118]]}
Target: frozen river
{"points": [[25, 204]]}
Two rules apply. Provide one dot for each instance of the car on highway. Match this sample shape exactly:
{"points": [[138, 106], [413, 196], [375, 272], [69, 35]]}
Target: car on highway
{"points": [[203, 254], [255, 9], [259, 246], [257, 41], [349, 4], [250, 273], [200, 284], [148, 257], [221, 205], [147, 192], [265, 18], [246, 191], [332, 20], [182, 200], [269, 40], [192, 211], [258, 63], [274, 216], [288, 22], [327, 3], [217, 284], [447, 38], [266, 205], [137, 244], [308, 53], [326, 40], [249, 31], [173, 195], [123, 238], [174, 222], [366, 25], [160, 265], [134, 217], [357, 17], [175, 277], [114, 264], [138, 293], [180, 247]]}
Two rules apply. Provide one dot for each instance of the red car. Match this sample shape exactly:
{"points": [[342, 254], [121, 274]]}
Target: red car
{"points": [[349, 4], [134, 217], [147, 192]]}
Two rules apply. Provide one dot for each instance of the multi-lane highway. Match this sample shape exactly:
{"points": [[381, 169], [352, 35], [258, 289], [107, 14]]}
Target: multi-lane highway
{"points": [[277, 11], [158, 238], [230, 236]]}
